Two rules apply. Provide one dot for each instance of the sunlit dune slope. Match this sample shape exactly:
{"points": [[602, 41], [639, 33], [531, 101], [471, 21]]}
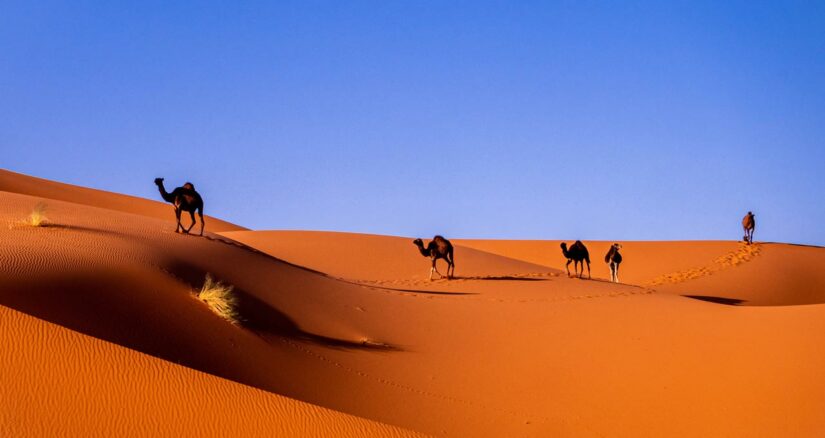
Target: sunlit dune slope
{"points": [[43, 188], [760, 274], [55, 381], [377, 258]]}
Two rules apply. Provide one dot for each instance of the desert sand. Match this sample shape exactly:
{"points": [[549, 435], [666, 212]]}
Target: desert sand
{"points": [[342, 335]]}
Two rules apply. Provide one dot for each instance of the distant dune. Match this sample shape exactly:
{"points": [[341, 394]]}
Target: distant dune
{"points": [[43, 188], [343, 335]]}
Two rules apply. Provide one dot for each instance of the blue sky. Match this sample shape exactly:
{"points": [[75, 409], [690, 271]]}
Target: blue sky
{"points": [[588, 120]]}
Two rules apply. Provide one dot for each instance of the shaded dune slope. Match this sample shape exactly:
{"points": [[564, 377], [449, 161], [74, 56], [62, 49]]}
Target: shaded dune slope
{"points": [[55, 379]]}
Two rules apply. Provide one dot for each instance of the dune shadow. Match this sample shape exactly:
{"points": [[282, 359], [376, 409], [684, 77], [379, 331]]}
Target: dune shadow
{"points": [[717, 300], [263, 319], [266, 321]]}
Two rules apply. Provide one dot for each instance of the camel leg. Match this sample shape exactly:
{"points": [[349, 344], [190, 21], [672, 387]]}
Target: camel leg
{"points": [[588, 270], [567, 266], [177, 216], [192, 216], [200, 214], [435, 266], [617, 273]]}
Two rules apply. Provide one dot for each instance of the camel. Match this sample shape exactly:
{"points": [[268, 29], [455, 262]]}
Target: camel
{"points": [[184, 199], [614, 259], [439, 248], [749, 224], [578, 254]]}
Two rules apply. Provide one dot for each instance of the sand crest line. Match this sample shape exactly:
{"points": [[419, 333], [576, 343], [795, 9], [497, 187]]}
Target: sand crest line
{"points": [[744, 254]]}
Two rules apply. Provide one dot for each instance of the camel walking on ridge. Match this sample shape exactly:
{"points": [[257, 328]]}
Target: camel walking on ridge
{"points": [[613, 259], [438, 248], [749, 225], [578, 254], [184, 199]]}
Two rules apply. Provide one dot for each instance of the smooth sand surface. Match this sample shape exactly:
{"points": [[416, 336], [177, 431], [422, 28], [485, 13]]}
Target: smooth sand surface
{"points": [[343, 334]]}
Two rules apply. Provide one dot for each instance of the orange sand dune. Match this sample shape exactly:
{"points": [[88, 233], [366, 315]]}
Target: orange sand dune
{"points": [[43, 188], [375, 258], [510, 349], [58, 382], [760, 274]]}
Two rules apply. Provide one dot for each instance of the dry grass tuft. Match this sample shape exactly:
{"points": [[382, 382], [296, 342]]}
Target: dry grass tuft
{"points": [[37, 217], [219, 298]]}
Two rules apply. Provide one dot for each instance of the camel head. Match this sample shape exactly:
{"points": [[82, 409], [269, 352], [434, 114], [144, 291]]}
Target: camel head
{"points": [[564, 246], [418, 242], [617, 246], [158, 181]]}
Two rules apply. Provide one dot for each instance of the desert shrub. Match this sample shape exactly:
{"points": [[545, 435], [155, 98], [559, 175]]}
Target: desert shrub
{"points": [[37, 218], [220, 299]]}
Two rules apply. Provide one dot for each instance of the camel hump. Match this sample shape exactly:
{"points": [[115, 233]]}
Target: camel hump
{"points": [[189, 186], [748, 221], [440, 240]]}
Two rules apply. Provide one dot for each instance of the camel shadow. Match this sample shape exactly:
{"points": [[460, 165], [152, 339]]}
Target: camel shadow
{"points": [[398, 289], [500, 278], [717, 300]]}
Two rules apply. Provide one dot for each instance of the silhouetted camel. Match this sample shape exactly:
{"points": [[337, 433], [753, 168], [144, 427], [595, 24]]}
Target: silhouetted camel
{"points": [[439, 248], [749, 224], [184, 199], [614, 259], [578, 254]]}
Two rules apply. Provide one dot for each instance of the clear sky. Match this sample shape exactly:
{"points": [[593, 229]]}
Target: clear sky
{"points": [[588, 120]]}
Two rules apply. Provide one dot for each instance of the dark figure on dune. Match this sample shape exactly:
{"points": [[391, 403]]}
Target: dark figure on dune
{"points": [[614, 259], [578, 254], [439, 248], [749, 224], [184, 199]]}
